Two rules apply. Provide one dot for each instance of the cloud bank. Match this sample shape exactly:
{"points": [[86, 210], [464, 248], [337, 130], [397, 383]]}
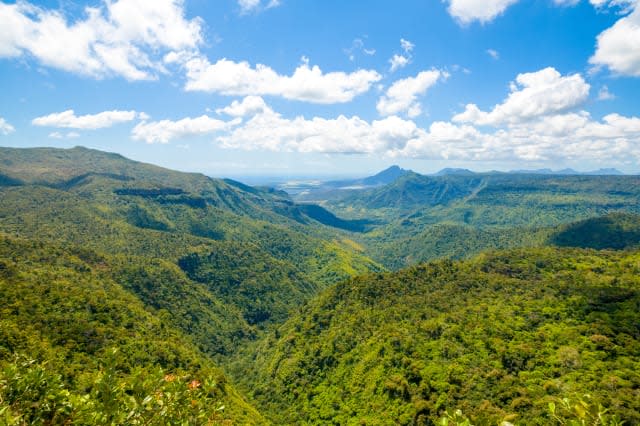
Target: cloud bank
{"points": [[307, 83], [68, 119], [123, 38]]}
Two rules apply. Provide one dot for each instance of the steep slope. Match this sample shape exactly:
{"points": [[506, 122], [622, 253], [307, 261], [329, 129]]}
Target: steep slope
{"points": [[148, 221], [100, 175], [412, 190], [61, 309], [499, 336], [613, 231]]}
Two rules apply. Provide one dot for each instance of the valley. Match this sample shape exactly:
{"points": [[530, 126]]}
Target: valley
{"points": [[392, 299]]}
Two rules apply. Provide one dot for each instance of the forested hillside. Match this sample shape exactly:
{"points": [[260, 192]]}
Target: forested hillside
{"points": [[159, 228], [133, 294], [173, 270], [78, 348], [420, 218], [500, 337]]}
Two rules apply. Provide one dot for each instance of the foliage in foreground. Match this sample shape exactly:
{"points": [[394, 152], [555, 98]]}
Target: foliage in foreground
{"points": [[67, 314], [30, 394], [567, 412]]}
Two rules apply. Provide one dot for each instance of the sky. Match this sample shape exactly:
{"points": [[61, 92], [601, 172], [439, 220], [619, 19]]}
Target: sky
{"points": [[312, 88]]}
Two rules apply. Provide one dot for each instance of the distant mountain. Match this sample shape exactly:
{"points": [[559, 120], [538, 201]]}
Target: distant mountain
{"points": [[416, 191], [568, 172], [453, 171], [385, 177], [413, 190], [321, 191]]}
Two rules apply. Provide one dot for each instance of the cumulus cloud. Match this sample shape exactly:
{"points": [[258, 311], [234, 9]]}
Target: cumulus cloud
{"points": [[250, 105], [467, 11], [618, 47], [398, 61], [403, 94], [6, 128], [270, 131], [307, 83], [532, 95], [164, 131], [483, 11], [562, 137], [551, 134], [120, 38], [493, 53], [558, 137], [68, 119]]}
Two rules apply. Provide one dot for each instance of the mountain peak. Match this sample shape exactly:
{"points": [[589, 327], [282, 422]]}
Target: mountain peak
{"points": [[386, 176]]}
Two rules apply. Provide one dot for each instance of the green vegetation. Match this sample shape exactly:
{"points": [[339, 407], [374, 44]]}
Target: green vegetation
{"points": [[62, 312], [133, 294], [420, 218], [254, 264], [31, 394], [614, 231], [172, 269], [500, 336]]}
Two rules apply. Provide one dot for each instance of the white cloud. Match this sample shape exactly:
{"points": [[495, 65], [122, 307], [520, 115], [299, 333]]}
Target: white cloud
{"points": [[164, 131], [552, 137], [253, 5], [250, 105], [493, 53], [69, 135], [532, 95], [605, 95], [305, 84], [618, 47], [573, 137], [121, 38], [402, 95], [68, 119], [247, 5], [467, 11], [398, 61], [6, 128], [406, 45], [623, 5], [270, 131]]}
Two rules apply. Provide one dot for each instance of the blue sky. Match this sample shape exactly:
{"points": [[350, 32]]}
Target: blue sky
{"points": [[326, 87]]}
